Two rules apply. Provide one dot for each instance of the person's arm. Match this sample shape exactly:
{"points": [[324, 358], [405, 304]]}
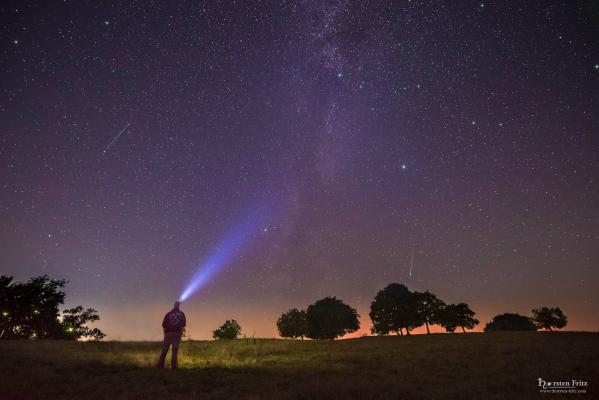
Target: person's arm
{"points": [[164, 321], [184, 320]]}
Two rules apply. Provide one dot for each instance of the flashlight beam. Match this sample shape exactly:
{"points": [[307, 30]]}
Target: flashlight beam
{"points": [[231, 245]]}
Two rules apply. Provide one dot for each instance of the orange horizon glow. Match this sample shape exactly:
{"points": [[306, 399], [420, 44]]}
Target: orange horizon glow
{"points": [[144, 323]]}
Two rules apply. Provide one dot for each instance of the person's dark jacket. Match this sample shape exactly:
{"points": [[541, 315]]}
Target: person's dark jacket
{"points": [[174, 321]]}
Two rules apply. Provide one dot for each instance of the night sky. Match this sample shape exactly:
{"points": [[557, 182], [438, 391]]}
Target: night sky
{"points": [[136, 136]]}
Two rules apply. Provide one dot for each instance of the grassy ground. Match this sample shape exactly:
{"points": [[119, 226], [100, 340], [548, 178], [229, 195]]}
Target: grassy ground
{"points": [[463, 366]]}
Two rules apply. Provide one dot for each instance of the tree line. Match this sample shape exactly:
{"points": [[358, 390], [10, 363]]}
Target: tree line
{"points": [[30, 310], [396, 309]]}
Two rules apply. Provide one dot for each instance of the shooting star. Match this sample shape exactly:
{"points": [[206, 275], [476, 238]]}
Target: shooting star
{"points": [[115, 139], [412, 261]]}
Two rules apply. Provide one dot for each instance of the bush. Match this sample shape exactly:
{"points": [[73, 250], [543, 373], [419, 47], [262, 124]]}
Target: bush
{"points": [[229, 330], [510, 322]]}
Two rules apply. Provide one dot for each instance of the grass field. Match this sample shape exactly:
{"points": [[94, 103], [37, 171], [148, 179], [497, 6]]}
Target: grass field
{"points": [[444, 366]]}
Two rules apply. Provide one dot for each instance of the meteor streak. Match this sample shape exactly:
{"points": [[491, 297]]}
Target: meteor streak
{"points": [[115, 139]]}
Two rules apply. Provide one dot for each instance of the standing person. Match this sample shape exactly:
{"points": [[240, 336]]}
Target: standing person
{"points": [[173, 324]]}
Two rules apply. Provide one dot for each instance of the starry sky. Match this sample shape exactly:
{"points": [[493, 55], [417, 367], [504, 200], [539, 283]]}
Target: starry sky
{"points": [[136, 135]]}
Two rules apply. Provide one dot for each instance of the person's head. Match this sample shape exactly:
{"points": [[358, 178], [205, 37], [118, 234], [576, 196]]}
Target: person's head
{"points": [[176, 305]]}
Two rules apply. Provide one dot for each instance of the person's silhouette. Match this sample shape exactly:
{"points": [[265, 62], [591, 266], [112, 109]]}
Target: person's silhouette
{"points": [[172, 324]]}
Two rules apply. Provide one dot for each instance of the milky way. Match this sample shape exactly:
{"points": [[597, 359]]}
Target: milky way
{"points": [[467, 131]]}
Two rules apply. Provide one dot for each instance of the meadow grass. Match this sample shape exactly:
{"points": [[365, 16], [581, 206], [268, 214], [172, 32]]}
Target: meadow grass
{"points": [[502, 365]]}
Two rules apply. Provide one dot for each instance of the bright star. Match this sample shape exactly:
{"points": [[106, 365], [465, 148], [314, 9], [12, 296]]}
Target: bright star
{"points": [[404, 167]]}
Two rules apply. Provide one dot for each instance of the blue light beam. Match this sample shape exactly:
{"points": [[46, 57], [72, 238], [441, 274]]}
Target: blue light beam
{"points": [[238, 238]]}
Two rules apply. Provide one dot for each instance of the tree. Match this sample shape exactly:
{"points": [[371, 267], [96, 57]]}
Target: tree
{"points": [[510, 322], [74, 322], [229, 330], [429, 308], [547, 318], [329, 318], [457, 315], [393, 309], [293, 324], [30, 310]]}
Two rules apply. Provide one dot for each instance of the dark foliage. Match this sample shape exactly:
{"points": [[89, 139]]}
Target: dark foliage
{"points": [[293, 324], [549, 318], [429, 308], [229, 330], [30, 310], [74, 321], [460, 315], [510, 322], [329, 318], [395, 308]]}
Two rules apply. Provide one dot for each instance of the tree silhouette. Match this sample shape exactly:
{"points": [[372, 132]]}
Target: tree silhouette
{"points": [[229, 330], [393, 309], [293, 324], [329, 318], [429, 308], [460, 315], [30, 309], [548, 318], [74, 322], [510, 322]]}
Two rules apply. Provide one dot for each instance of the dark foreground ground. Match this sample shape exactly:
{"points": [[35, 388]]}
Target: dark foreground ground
{"points": [[442, 366]]}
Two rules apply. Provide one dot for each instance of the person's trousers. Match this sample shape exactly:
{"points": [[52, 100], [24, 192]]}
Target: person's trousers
{"points": [[170, 338]]}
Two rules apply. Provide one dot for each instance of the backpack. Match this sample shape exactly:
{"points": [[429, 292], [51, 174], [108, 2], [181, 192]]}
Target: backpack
{"points": [[174, 320]]}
